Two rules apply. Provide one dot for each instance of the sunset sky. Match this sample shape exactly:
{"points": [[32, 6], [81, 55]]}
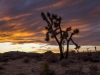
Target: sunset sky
{"points": [[22, 27]]}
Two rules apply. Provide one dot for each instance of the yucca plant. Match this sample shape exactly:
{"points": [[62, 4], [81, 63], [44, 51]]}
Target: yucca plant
{"points": [[46, 68]]}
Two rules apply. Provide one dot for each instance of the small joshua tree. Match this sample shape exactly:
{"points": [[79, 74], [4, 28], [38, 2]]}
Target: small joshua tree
{"points": [[68, 37], [78, 49], [54, 30]]}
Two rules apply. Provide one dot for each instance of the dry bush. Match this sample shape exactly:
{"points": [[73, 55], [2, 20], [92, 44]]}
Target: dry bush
{"points": [[95, 58], [4, 59], [14, 57], [2, 73], [85, 58], [72, 51], [93, 70], [21, 74], [75, 71], [50, 57], [36, 56], [64, 62], [51, 72], [2, 68], [27, 60]]}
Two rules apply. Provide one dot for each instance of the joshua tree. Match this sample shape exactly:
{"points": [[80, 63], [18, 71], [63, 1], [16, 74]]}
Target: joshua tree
{"points": [[78, 49], [87, 49], [69, 38], [54, 30], [95, 49]]}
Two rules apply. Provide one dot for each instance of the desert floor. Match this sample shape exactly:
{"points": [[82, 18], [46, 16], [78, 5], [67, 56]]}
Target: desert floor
{"points": [[33, 64]]}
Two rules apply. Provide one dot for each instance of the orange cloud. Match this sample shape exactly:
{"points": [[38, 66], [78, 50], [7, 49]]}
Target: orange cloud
{"points": [[7, 18], [57, 4]]}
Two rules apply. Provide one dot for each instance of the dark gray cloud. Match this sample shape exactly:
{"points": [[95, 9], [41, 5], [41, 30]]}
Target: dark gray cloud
{"points": [[20, 20]]}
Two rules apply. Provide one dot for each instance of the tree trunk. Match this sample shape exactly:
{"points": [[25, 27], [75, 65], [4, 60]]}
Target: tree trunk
{"points": [[67, 51], [61, 52]]}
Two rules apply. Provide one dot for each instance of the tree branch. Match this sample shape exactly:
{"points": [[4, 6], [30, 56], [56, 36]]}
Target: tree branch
{"points": [[74, 42]]}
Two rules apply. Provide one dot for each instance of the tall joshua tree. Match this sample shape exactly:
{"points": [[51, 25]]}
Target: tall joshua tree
{"points": [[54, 30]]}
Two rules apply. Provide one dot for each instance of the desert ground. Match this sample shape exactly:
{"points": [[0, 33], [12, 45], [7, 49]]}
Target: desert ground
{"points": [[48, 63]]}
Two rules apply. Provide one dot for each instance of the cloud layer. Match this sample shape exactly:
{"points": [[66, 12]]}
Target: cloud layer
{"points": [[21, 22]]}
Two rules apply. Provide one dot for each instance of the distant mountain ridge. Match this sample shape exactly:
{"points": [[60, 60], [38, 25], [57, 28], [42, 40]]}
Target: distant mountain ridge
{"points": [[15, 52]]}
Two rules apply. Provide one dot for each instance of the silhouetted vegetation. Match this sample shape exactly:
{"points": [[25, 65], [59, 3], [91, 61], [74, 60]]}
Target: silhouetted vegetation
{"points": [[50, 57], [46, 70], [2, 68], [50, 65], [54, 30], [93, 70]]}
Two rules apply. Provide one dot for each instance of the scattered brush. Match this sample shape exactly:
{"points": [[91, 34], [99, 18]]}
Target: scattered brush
{"points": [[77, 71], [27, 60], [64, 63], [21, 74], [2, 68], [50, 57], [93, 70]]}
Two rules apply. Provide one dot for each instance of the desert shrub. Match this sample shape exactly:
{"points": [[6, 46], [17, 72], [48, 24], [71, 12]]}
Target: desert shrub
{"points": [[64, 63], [21, 74], [74, 72], [95, 60], [51, 72], [14, 57], [27, 60], [33, 55], [2, 68], [93, 70], [80, 68], [50, 57], [85, 58], [5, 63], [2, 73], [72, 51], [36, 56], [4, 59], [89, 54]]}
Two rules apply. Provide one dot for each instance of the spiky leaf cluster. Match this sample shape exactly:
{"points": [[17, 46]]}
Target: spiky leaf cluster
{"points": [[47, 37], [69, 29], [77, 47], [76, 31], [53, 22]]}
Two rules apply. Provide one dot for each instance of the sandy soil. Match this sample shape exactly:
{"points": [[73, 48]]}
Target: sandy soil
{"points": [[34, 66]]}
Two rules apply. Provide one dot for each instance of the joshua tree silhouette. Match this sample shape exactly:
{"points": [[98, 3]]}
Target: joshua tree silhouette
{"points": [[78, 49], [69, 38], [95, 49], [54, 30]]}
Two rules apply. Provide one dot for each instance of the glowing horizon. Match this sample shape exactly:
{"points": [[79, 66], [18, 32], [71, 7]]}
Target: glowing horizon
{"points": [[39, 47]]}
